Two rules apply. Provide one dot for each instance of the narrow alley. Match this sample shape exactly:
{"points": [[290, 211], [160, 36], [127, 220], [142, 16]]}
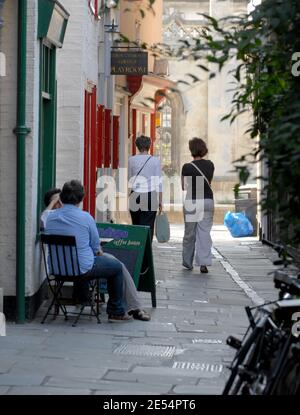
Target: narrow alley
{"points": [[182, 350]]}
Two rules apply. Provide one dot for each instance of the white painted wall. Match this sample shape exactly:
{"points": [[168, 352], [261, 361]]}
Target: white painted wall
{"points": [[8, 150], [77, 62]]}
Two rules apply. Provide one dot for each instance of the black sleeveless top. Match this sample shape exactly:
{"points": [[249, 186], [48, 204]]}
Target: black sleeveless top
{"points": [[207, 167]]}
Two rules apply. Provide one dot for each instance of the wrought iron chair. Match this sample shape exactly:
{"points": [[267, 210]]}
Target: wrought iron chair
{"points": [[61, 266]]}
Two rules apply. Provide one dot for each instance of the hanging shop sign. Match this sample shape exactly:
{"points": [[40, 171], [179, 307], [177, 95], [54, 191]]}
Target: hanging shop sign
{"points": [[129, 63]]}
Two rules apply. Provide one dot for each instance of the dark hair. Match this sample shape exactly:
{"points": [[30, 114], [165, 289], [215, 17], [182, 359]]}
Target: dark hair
{"points": [[72, 192], [197, 147], [143, 143], [48, 195]]}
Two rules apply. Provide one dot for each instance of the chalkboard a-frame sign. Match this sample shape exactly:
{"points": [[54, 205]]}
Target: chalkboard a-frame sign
{"points": [[131, 244]]}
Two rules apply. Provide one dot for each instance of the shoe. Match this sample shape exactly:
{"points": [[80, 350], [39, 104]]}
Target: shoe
{"points": [[203, 269], [139, 315], [187, 267], [119, 319]]}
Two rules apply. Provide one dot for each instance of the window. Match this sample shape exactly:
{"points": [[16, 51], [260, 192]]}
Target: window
{"points": [[163, 144], [46, 70]]}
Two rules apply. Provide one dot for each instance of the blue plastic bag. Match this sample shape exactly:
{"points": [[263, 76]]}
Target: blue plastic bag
{"points": [[238, 224]]}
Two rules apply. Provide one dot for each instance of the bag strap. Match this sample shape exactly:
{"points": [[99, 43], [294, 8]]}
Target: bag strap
{"points": [[141, 169], [202, 174]]}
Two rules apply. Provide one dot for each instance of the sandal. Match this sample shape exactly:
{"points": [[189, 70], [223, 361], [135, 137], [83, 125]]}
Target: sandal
{"points": [[139, 315]]}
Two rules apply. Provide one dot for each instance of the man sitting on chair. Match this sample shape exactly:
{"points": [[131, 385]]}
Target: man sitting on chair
{"points": [[70, 220]]}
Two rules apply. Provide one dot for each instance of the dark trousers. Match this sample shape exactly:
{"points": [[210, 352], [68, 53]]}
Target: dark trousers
{"points": [[146, 215], [108, 268]]}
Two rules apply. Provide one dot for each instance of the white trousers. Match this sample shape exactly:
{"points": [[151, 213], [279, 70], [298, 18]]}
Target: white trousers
{"points": [[197, 237]]}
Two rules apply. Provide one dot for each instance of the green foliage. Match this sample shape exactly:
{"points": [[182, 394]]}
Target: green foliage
{"points": [[264, 44]]}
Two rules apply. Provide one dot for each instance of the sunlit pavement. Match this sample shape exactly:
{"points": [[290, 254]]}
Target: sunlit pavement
{"points": [[182, 350]]}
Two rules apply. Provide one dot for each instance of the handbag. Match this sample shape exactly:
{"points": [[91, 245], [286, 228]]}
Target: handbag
{"points": [[162, 228]]}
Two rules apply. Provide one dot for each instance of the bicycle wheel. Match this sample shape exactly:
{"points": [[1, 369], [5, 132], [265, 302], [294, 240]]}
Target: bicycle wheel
{"points": [[287, 381], [244, 354]]}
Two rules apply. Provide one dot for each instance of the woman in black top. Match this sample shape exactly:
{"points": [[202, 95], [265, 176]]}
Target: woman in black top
{"points": [[198, 208]]}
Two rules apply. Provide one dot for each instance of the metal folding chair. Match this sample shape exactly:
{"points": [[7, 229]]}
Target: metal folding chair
{"points": [[61, 266]]}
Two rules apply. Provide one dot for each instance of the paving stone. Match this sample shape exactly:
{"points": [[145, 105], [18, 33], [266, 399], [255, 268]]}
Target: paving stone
{"points": [[109, 387], [197, 328], [44, 390], [50, 367], [6, 364], [4, 390], [149, 378], [169, 371], [8, 353], [18, 342], [93, 363], [199, 389], [21, 379], [236, 301]]}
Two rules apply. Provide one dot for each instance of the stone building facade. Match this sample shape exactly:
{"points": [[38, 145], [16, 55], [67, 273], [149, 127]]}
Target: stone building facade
{"points": [[198, 107]]}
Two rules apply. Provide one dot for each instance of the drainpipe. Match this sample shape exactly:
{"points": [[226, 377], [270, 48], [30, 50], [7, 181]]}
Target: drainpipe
{"points": [[21, 132]]}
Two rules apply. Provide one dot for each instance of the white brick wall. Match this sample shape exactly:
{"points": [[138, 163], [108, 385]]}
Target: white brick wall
{"points": [[77, 62], [8, 151]]}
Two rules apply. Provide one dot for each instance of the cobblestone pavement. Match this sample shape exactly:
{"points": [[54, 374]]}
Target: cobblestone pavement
{"points": [[182, 350]]}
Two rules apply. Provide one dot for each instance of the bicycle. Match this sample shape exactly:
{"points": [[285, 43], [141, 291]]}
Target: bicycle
{"points": [[267, 361]]}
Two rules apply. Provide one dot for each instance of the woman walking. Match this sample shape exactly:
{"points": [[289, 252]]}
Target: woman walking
{"points": [[145, 182], [199, 207]]}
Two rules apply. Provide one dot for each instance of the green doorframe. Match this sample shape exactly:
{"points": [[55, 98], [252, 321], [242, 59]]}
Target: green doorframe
{"points": [[47, 124], [52, 24]]}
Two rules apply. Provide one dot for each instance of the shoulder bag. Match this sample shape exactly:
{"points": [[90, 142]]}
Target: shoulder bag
{"points": [[139, 172], [202, 174]]}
